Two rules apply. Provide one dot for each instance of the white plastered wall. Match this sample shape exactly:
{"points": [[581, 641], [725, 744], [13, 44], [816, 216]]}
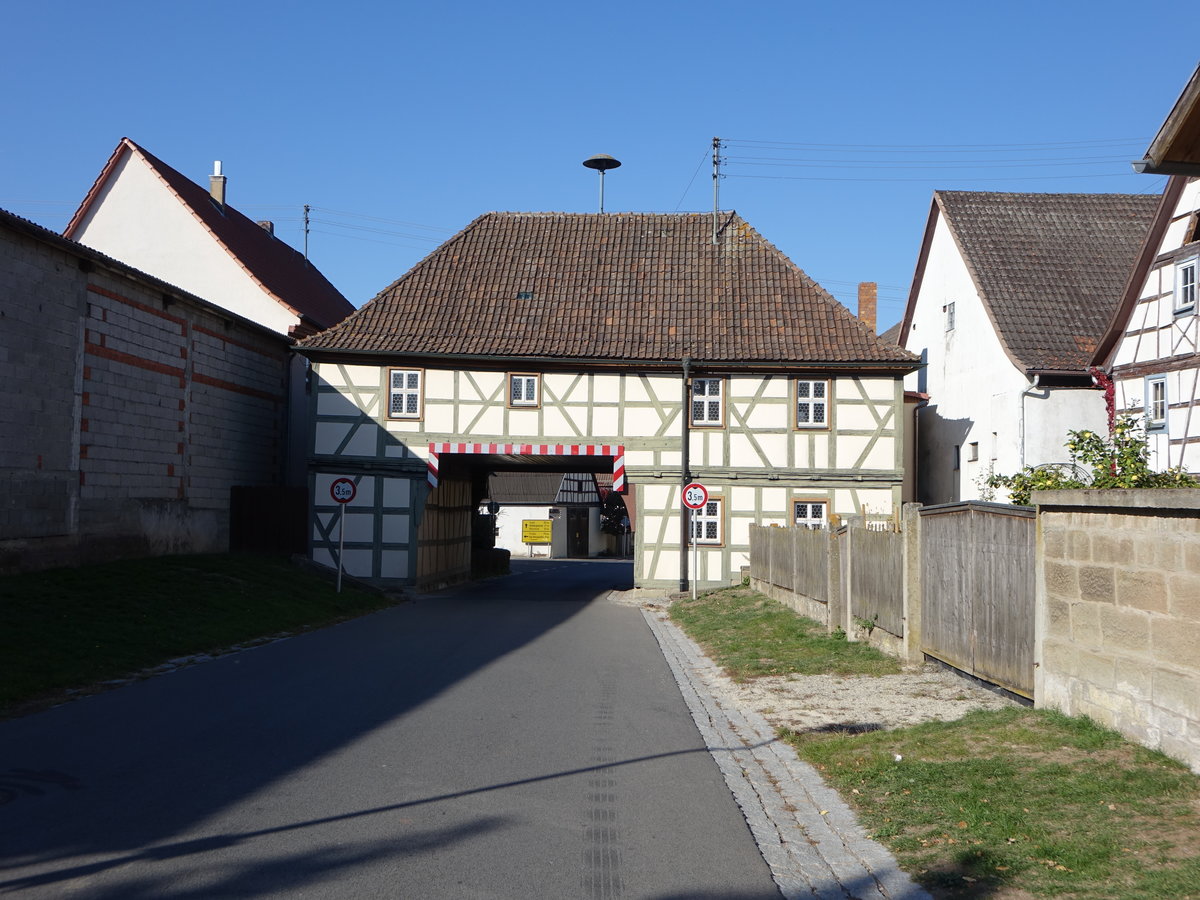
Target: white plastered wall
{"points": [[977, 394], [139, 220]]}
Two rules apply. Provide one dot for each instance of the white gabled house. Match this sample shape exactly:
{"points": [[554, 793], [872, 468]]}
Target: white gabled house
{"points": [[629, 343], [1151, 346], [1011, 294], [145, 213]]}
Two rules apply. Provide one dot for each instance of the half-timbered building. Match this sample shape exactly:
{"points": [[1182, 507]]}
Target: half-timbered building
{"points": [[1151, 345], [660, 348]]}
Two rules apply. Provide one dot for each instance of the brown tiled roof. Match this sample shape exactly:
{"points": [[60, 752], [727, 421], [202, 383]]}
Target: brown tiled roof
{"points": [[611, 286], [281, 271], [1050, 267], [525, 487]]}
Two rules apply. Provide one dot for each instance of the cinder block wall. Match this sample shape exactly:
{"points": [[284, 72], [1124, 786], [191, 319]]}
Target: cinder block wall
{"points": [[128, 409], [1117, 632]]}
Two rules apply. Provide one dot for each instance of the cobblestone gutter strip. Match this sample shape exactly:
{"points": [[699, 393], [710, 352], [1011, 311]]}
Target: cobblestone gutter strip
{"points": [[808, 836]]}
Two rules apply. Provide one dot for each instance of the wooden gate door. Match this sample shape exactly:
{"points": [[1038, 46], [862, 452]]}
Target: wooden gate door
{"points": [[577, 532]]}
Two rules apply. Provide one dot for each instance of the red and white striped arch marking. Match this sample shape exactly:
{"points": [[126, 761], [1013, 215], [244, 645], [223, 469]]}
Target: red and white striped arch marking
{"points": [[616, 451]]}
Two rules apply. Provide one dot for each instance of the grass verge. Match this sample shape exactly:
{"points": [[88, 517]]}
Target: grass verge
{"points": [[72, 628], [751, 635], [1015, 803], [1016, 800]]}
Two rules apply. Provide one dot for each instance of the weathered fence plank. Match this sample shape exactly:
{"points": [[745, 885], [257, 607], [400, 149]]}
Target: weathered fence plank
{"points": [[877, 586], [977, 572]]}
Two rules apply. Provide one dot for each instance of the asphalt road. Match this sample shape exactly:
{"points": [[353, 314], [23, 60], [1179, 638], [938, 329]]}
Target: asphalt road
{"points": [[520, 738]]}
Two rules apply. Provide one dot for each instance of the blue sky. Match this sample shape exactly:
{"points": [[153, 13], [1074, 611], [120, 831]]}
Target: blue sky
{"points": [[400, 122]]}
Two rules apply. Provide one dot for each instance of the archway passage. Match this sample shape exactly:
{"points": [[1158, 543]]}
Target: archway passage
{"points": [[615, 451]]}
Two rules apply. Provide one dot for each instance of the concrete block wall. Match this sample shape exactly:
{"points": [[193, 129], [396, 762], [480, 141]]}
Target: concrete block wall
{"points": [[129, 409], [40, 309], [1117, 633]]}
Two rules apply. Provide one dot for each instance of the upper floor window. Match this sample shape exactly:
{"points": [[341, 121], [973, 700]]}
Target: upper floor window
{"points": [[404, 393], [812, 403], [1156, 403], [809, 513], [708, 407], [523, 390], [949, 307], [1185, 285]]}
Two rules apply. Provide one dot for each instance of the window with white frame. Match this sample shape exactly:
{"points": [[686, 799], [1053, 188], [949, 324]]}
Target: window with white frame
{"points": [[523, 390], [706, 523], [708, 407], [812, 403], [404, 394], [809, 513], [949, 307], [1185, 285], [1156, 403]]}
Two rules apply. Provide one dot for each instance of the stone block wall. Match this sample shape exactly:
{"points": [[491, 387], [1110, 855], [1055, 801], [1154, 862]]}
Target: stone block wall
{"points": [[1118, 613], [129, 408]]}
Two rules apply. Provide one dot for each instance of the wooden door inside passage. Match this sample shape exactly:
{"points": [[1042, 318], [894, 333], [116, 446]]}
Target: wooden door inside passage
{"points": [[577, 532]]}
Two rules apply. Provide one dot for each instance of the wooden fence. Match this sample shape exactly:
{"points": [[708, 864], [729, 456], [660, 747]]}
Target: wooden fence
{"points": [[977, 587], [966, 585], [876, 560]]}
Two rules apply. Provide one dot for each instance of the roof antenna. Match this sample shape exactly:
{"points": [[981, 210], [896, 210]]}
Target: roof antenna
{"points": [[601, 162]]}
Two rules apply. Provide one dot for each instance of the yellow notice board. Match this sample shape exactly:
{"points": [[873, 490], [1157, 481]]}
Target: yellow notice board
{"points": [[535, 531]]}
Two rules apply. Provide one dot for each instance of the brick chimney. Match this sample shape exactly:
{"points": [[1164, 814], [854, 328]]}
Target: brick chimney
{"points": [[867, 294], [216, 185], [268, 227]]}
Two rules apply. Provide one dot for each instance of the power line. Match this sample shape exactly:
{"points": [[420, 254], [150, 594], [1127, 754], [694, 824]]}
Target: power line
{"points": [[930, 178], [966, 148]]}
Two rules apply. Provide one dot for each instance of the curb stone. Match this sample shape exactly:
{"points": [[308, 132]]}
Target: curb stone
{"points": [[807, 835]]}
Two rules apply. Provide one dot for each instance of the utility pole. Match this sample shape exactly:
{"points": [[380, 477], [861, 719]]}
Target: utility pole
{"points": [[306, 209], [716, 181]]}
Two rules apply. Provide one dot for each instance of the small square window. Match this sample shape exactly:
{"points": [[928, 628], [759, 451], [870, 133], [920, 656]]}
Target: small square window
{"points": [[812, 403], [404, 393], [708, 407], [523, 390], [707, 523], [809, 513]]}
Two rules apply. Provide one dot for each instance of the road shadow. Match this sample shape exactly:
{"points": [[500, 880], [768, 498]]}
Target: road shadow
{"points": [[120, 773]]}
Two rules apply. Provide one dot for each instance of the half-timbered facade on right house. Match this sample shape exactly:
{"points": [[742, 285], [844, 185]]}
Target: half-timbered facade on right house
{"points": [[1151, 346]]}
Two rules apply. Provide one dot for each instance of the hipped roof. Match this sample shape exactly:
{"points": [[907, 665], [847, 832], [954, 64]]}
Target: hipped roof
{"points": [[277, 268], [611, 287], [1049, 268]]}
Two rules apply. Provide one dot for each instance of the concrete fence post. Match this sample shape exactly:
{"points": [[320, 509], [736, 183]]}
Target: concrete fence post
{"points": [[833, 581], [913, 627], [848, 584]]}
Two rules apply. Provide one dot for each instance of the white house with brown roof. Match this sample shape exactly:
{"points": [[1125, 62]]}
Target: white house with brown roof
{"points": [[143, 212], [1012, 291], [1151, 345], [624, 342]]}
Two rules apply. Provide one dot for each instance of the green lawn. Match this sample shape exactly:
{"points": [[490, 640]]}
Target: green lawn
{"points": [[73, 628], [1015, 803], [751, 635]]}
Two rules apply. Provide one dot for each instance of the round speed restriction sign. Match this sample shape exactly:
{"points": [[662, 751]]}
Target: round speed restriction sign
{"points": [[695, 495], [343, 490]]}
